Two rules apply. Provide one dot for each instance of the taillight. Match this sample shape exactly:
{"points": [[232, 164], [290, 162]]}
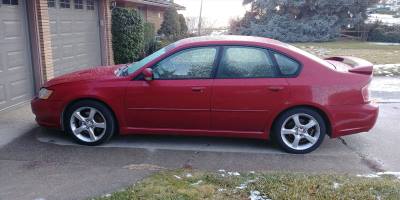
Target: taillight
{"points": [[366, 93]]}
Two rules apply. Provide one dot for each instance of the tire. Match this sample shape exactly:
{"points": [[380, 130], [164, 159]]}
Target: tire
{"points": [[307, 132], [89, 122]]}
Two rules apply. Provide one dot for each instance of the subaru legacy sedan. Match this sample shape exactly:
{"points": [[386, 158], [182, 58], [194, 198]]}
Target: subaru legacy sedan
{"points": [[226, 86]]}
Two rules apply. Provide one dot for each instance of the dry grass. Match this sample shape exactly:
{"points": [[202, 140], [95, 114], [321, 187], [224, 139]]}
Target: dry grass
{"points": [[377, 54], [219, 186]]}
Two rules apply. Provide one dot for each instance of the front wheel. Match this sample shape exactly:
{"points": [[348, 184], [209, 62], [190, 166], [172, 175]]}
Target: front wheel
{"points": [[89, 122], [299, 131]]}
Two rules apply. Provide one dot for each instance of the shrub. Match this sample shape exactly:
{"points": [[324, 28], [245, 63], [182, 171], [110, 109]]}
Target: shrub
{"points": [[170, 27], [128, 34], [300, 20], [384, 33], [150, 43]]}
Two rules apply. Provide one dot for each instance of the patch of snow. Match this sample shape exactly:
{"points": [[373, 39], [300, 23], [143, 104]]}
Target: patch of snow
{"points": [[336, 185], [256, 195], [224, 173], [244, 185], [379, 174], [177, 177], [107, 195], [189, 175], [385, 43], [368, 175], [197, 183], [233, 174], [385, 84], [396, 174], [221, 189], [252, 172]]}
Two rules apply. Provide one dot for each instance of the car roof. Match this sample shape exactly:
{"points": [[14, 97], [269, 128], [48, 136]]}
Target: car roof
{"points": [[224, 39]]}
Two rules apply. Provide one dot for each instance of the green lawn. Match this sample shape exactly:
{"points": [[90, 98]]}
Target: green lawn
{"points": [[192, 185], [377, 54]]}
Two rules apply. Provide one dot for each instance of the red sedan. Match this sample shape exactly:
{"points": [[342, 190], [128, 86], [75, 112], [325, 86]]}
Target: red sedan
{"points": [[229, 86]]}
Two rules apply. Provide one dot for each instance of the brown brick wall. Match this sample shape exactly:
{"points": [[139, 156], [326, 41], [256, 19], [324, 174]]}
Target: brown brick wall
{"points": [[149, 13], [155, 16], [45, 40], [105, 16]]}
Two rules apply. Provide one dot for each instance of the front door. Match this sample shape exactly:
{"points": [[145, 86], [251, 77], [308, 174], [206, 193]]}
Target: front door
{"points": [[179, 96], [246, 90]]}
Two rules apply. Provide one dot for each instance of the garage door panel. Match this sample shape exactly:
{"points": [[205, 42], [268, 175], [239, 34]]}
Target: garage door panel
{"points": [[76, 38], [16, 77], [3, 98], [18, 91]]}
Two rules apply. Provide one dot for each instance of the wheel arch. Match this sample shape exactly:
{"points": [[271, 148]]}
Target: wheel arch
{"points": [[318, 109], [69, 104]]}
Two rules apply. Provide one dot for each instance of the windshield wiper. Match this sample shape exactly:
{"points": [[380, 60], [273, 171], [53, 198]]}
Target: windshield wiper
{"points": [[122, 70]]}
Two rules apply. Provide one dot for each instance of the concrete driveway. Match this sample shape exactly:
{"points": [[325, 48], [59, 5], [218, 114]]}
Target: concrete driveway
{"points": [[36, 163]]}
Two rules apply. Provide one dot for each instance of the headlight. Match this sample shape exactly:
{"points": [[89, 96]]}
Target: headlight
{"points": [[44, 93]]}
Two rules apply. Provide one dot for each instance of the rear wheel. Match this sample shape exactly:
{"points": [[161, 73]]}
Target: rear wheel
{"points": [[299, 131], [89, 122]]}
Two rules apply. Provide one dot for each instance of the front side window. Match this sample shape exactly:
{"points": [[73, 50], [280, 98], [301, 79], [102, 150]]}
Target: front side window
{"points": [[78, 4], [65, 4], [245, 62], [287, 66], [90, 5], [196, 63]]}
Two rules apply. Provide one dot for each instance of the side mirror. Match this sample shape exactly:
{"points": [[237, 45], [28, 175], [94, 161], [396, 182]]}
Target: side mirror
{"points": [[148, 74]]}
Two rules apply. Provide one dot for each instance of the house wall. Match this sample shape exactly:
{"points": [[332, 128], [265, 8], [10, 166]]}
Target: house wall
{"points": [[150, 14], [155, 16]]}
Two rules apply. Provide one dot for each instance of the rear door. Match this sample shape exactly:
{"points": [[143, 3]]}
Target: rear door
{"points": [[246, 89]]}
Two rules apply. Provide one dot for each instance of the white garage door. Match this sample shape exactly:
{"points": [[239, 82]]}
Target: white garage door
{"points": [[74, 26], [16, 79]]}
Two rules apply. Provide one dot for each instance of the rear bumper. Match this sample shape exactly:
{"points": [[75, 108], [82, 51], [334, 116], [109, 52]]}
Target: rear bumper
{"points": [[47, 112], [351, 119]]}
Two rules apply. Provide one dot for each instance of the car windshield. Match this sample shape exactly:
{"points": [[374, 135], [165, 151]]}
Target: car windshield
{"points": [[132, 68]]}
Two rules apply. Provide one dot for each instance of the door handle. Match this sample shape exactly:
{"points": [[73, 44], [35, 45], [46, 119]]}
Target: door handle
{"points": [[276, 88], [198, 89]]}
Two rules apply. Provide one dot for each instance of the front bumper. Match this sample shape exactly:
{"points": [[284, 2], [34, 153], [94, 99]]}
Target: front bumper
{"points": [[47, 112], [351, 119]]}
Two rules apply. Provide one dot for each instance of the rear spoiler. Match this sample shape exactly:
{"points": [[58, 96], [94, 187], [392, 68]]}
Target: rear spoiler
{"points": [[358, 65]]}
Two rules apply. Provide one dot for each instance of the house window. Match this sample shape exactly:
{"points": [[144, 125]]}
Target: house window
{"points": [[51, 3], [10, 2], [78, 4], [65, 4], [90, 4]]}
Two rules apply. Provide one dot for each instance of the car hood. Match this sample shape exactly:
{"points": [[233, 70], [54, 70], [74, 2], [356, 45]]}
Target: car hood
{"points": [[95, 73]]}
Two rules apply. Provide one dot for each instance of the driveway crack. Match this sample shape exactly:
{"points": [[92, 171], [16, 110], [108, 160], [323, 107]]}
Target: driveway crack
{"points": [[372, 164]]}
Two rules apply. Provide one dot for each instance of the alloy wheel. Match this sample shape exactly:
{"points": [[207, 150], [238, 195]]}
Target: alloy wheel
{"points": [[88, 124], [300, 131]]}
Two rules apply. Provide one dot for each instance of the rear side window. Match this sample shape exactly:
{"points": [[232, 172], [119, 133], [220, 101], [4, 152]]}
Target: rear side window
{"points": [[287, 66], [245, 62]]}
